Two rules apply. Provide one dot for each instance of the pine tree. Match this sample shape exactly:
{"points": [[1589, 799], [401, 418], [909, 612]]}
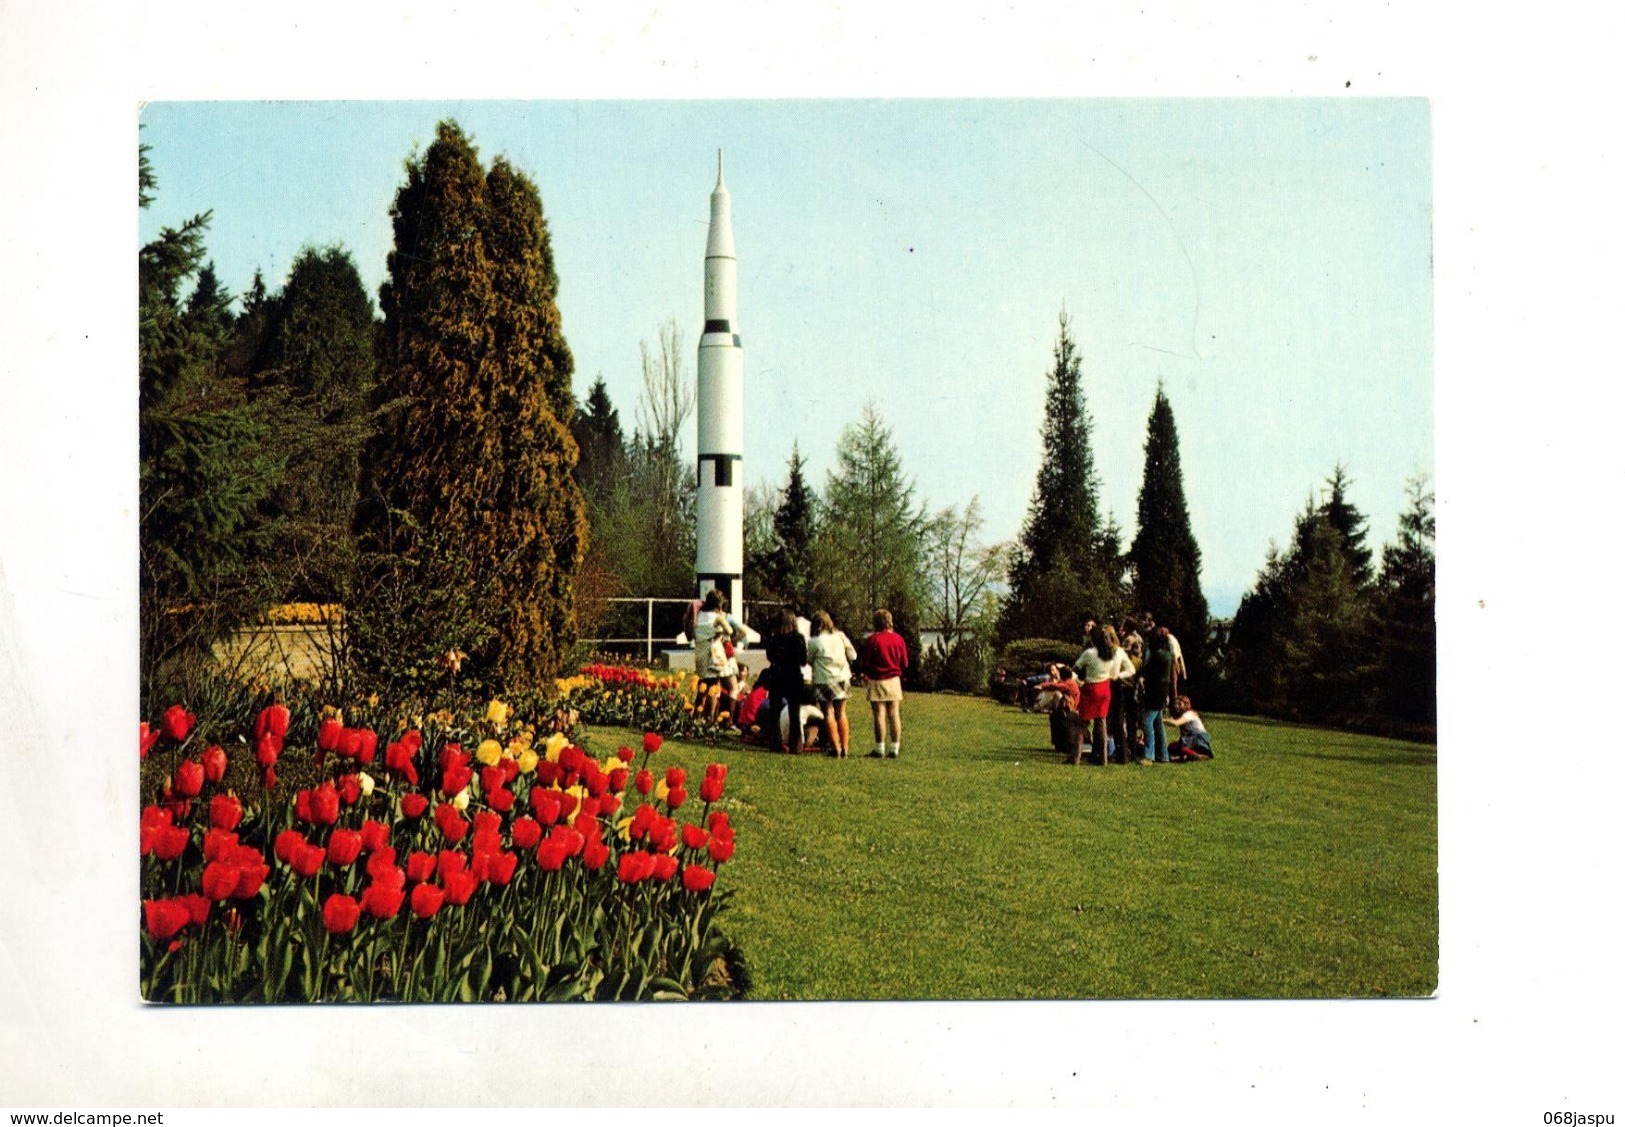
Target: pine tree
{"points": [[1350, 524], [1302, 645], [871, 538], [1064, 568], [205, 464], [598, 435], [469, 510], [315, 341], [1165, 560], [1409, 650], [789, 567]]}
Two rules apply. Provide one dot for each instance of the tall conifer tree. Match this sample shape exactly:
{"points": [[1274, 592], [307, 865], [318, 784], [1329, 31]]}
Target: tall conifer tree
{"points": [[790, 566], [469, 478], [1164, 557], [1064, 566]]}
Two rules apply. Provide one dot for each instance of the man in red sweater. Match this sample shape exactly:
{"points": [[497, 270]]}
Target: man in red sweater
{"points": [[884, 658]]}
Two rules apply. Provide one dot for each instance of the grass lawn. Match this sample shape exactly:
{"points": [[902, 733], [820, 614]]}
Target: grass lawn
{"points": [[1301, 862]]}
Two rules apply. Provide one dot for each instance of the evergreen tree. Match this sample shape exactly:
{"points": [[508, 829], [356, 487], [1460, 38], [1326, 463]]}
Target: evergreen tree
{"points": [[1164, 558], [871, 538], [597, 431], [789, 567], [1064, 568], [1409, 650], [469, 510], [1302, 645], [1350, 525], [205, 464], [315, 341]]}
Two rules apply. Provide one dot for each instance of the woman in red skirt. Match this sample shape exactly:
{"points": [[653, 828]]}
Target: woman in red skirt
{"points": [[1098, 666]]}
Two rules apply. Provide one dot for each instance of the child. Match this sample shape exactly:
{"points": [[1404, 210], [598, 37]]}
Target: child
{"points": [[1194, 742]]}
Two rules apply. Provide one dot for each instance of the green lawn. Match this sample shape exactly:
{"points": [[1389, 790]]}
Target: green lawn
{"points": [[1301, 862]]}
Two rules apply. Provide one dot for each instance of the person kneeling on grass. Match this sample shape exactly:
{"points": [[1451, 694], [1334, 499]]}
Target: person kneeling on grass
{"points": [[1194, 742], [812, 726]]}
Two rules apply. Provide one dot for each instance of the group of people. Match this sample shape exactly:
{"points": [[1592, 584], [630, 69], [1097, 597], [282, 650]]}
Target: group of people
{"points": [[798, 702], [1128, 673]]}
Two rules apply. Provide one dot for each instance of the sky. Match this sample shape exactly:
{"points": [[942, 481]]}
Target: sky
{"points": [[1268, 261]]}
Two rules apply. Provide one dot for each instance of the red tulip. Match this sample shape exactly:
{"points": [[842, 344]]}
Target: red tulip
{"points": [[635, 866], [698, 878], [169, 842], [651, 742], [343, 847], [502, 866], [510, 769], [485, 821], [218, 845], [550, 855], [568, 804], [665, 866], [710, 789], [225, 811], [366, 746], [547, 773], [219, 880], [486, 841], [302, 808], [189, 778], [546, 804], [382, 864], [625, 754], [721, 848], [324, 805], [609, 804], [197, 907], [413, 805], [286, 843], [594, 854], [214, 763], [597, 782], [454, 778], [398, 757], [694, 837], [675, 777], [501, 799], [383, 902], [266, 750], [307, 859], [526, 833], [451, 823], [249, 879], [618, 778], [149, 736], [178, 722], [374, 835], [645, 781], [676, 797], [268, 778], [459, 886], [272, 719], [426, 900], [419, 865], [164, 917], [340, 913], [717, 819], [450, 861]]}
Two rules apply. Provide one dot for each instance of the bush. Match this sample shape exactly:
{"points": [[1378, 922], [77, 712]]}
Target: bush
{"points": [[1032, 655]]}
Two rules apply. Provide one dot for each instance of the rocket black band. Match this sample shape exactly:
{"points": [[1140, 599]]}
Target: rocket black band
{"points": [[723, 326], [724, 473]]}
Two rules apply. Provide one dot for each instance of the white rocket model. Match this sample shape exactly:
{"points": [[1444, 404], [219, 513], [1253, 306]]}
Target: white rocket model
{"points": [[719, 560]]}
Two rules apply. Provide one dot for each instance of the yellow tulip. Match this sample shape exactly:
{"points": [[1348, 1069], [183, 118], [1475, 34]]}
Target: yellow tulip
{"points": [[366, 784], [527, 761], [489, 753], [461, 801], [497, 713], [661, 790], [555, 744]]}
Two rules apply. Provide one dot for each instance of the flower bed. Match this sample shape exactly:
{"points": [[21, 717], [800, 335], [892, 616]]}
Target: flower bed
{"points": [[464, 859], [630, 696]]}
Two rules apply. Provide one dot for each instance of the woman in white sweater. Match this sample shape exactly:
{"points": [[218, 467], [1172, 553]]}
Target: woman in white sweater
{"points": [[1097, 667], [832, 654]]}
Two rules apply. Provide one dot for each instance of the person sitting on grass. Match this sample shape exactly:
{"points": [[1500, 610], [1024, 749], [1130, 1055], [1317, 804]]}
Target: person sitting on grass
{"points": [[812, 726], [1194, 741], [1065, 732]]}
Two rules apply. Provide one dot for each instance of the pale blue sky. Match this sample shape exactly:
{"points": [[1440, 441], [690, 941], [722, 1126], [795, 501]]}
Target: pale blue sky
{"points": [[1270, 261]]}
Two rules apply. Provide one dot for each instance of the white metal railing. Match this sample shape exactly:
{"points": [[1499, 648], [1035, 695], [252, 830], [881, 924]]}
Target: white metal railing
{"points": [[648, 637]]}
